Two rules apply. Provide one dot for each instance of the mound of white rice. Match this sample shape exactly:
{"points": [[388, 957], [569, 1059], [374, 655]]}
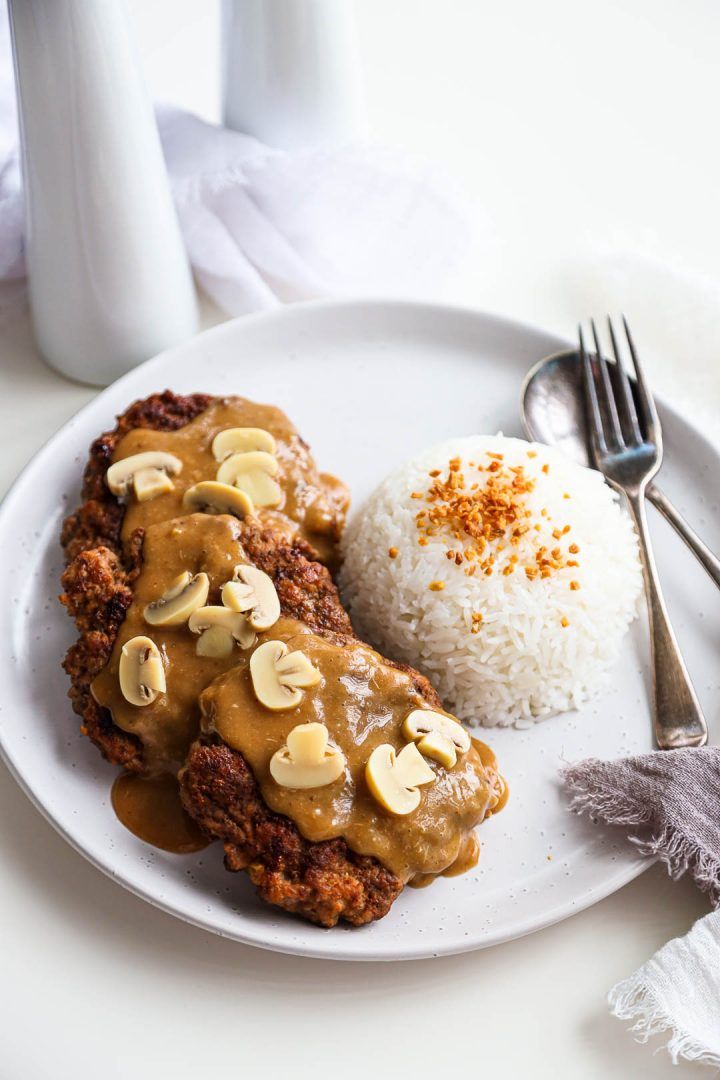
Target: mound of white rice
{"points": [[541, 644]]}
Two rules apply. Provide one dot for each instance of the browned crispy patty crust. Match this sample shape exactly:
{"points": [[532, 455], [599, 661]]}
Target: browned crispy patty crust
{"points": [[325, 881]]}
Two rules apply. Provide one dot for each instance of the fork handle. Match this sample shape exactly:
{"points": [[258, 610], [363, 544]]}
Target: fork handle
{"points": [[700, 550], [678, 718]]}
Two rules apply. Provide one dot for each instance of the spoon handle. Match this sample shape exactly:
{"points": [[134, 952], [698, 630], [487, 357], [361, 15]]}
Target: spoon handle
{"points": [[700, 550]]}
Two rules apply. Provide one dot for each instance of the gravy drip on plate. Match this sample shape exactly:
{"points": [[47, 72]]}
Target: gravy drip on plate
{"points": [[150, 807], [363, 701], [313, 504]]}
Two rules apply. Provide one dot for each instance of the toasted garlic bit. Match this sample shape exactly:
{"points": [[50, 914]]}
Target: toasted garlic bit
{"points": [[254, 473], [279, 677], [437, 736], [394, 779], [307, 760], [232, 623], [253, 591], [242, 440], [209, 497], [185, 595], [141, 671], [148, 473]]}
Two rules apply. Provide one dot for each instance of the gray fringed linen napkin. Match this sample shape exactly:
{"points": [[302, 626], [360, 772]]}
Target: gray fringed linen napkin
{"points": [[670, 803]]}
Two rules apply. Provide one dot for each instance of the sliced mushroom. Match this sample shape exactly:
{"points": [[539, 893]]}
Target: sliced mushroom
{"points": [[141, 470], [232, 622], [242, 440], [437, 736], [209, 497], [394, 779], [279, 677], [215, 642], [185, 595], [149, 483], [254, 473], [141, 671], [249, 461], [253, 591], [307, 760]]}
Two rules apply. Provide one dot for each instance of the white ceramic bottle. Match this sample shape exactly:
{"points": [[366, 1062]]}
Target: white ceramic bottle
{"points": [[109, 279], [291, 75]]}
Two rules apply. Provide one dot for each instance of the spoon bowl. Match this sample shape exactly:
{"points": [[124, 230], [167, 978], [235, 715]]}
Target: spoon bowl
{"points": [[552, 406]]}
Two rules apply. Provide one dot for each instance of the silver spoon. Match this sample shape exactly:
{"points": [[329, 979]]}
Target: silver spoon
{"points": [[552, 404]]}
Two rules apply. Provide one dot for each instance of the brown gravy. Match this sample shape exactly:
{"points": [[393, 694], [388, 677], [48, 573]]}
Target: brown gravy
{"points": [[467, 858], [313, 504], [198, 542], [489, 760], [363, 701], [150, 807]]}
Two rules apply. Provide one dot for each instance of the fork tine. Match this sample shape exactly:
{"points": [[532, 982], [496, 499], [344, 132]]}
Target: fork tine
{"points": [[616, 435], [648, 413], [625, 392], [595, 424]]}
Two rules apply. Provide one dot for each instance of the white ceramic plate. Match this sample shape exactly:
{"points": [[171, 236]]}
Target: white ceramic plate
{"points": [[368, 384]]}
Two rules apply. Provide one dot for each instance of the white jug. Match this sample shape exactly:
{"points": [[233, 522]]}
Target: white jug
{"points": [[291, 75], [109, 280]]}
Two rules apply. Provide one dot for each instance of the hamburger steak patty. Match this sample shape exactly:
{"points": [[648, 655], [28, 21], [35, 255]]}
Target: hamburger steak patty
{"points": [[324, 881]]}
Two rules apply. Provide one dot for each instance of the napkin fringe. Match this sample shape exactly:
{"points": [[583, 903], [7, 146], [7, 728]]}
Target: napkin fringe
{"points": [[593, 796], [680, 855], [632, 999]]}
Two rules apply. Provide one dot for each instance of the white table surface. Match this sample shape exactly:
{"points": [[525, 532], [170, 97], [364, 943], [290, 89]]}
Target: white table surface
{"points": [[512, 97]]}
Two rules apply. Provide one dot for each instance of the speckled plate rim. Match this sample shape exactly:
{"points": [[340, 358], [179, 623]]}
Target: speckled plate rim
{"points": [[325, 944]]}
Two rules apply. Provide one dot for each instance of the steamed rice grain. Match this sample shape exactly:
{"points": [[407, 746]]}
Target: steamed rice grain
{"points": [[543, 645]]}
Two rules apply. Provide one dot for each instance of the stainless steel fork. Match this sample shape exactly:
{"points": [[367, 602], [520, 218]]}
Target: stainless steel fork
{"points": [[627, 449]]}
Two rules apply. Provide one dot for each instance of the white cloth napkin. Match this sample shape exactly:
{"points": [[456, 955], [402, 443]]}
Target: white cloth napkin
{"points": [[677, 994], [263, 226]]}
